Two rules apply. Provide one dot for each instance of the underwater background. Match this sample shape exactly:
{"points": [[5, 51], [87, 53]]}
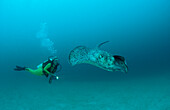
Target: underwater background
{"points": [[33, 30]]}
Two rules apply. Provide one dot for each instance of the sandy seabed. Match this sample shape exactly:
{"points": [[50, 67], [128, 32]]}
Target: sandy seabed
{"points": [[148, 94]]}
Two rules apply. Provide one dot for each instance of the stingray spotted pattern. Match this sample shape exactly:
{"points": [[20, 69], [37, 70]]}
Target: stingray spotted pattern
{"points": [[97, 57]]}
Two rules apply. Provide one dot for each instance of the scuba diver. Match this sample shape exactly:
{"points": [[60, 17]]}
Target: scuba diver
{"points": [[48, 68]]}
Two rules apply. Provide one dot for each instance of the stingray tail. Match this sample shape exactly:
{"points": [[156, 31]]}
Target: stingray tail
{"points": [[102, 44]]}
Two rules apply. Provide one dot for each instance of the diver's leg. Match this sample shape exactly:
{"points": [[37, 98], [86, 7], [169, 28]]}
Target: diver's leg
{"points": [[35, 72]]}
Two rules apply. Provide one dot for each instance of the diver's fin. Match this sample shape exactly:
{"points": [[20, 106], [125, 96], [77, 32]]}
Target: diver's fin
{"points": [[18, 68], [102, 44]]}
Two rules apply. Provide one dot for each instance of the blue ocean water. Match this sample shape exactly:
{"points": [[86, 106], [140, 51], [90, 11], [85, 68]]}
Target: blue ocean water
{"points": [[33, 30]]}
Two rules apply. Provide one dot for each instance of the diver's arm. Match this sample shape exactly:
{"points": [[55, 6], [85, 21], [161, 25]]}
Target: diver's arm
{"points": [[46, 67]]}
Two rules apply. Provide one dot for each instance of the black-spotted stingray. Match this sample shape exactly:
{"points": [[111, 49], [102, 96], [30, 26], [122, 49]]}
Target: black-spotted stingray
{"points": [[97, 57]]}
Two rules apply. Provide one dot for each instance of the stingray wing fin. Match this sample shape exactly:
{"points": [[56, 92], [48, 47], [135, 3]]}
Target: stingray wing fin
{"points": [[78, 55]]}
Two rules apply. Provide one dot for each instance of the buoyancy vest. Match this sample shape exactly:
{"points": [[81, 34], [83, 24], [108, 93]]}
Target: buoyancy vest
{"points": [[52, 69]]}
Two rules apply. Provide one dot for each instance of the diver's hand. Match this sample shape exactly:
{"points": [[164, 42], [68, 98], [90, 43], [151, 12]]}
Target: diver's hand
{"points": [[53, 77]]}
